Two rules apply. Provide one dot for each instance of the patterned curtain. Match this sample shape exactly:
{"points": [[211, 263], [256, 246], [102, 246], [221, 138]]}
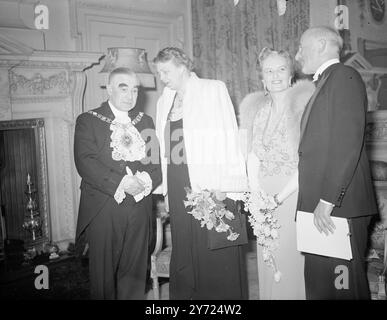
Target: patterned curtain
{"points": [[227, 39]]}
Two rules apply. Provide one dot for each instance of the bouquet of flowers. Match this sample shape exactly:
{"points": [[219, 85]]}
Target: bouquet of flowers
{"points": [[208, 207], [265, 225]]}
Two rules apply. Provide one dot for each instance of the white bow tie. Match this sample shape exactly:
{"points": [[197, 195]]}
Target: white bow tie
{"points": [[315, 77]]}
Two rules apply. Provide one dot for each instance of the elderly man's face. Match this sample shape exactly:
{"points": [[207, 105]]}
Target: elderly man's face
{"points": [[123, 91], [307, 54]]}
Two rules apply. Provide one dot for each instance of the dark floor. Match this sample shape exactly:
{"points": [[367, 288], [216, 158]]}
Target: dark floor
{"points": [[68, 276], [68, 280]]}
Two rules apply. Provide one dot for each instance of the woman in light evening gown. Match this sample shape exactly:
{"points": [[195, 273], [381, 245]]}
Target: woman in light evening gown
{"points": [[272, 122]]}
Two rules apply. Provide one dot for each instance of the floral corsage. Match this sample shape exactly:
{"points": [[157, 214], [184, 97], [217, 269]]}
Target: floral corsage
{"points": [[208, 207], [265, 225]]}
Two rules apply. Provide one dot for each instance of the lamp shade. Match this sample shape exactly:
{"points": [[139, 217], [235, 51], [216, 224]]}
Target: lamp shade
{"points": [[133, 58]]}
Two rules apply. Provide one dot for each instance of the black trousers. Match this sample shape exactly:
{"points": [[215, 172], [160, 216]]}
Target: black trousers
{"points": [[118, 250], [336, 279]]}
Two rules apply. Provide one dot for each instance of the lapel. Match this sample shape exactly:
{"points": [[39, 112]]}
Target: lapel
{"points": [[103, 129], [309, 106], [105, 110]]}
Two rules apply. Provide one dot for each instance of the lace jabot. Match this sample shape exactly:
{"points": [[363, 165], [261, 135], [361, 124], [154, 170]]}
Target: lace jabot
{"points": [[126, 141]]}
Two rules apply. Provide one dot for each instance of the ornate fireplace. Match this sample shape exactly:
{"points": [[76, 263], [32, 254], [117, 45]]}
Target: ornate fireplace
{"points": [[47, 85], [23, 182]]}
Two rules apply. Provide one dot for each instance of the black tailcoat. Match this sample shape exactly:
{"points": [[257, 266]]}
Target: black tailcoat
{"points": [[333, 166]]}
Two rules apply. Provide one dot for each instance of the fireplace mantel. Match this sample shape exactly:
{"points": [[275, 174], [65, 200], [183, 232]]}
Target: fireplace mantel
{"points": [[50, 85]]}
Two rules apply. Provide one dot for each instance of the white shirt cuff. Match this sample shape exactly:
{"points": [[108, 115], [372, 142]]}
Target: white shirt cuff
{"points": [[326, 202], [120, 194], [144, 176], [147, 181]]}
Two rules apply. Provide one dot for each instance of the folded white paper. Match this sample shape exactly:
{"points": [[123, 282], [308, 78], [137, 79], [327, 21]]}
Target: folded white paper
{"points": [[310, 240]]}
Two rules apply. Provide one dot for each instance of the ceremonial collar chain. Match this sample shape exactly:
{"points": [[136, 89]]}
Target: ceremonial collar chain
{"points": [[108, 120]]}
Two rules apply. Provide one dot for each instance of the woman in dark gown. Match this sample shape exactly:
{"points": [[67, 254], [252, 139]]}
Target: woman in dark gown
{"points": [[196, 270]]}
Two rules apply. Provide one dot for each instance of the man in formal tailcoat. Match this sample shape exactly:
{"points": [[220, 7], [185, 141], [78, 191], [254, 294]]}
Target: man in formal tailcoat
{"points": [[116, 155], [334, 173]]}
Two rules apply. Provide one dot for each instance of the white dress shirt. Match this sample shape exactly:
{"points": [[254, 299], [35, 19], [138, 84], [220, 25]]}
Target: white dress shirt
{"points": [[119, 115], [323, 67]]}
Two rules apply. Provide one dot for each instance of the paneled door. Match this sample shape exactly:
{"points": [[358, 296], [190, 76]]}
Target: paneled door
{"points": [[150, 31]]}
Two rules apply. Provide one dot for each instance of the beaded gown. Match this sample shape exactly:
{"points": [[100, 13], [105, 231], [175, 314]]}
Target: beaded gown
{"points": [[274, 152]]}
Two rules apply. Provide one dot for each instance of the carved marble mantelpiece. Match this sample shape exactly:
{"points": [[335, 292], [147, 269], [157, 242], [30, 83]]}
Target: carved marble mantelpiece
{"points": [[50, 85]]}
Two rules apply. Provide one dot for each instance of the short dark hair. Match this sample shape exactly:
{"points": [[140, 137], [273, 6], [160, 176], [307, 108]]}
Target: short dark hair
{"points": [[123, 70], [178, 56]]}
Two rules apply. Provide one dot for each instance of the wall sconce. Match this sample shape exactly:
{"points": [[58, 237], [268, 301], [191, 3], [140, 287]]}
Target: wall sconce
{"points": [[132, 58]]}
